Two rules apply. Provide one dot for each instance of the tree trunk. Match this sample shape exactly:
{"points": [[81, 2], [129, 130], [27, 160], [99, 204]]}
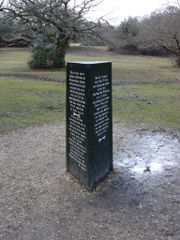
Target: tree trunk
{"points": [[61, 46], [178, 61]]}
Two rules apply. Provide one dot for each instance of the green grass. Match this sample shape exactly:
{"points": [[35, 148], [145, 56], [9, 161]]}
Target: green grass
{"points": [[125, 68], [15, 60], [23, 103], [26, 102], [155, 105], [135, 68]]}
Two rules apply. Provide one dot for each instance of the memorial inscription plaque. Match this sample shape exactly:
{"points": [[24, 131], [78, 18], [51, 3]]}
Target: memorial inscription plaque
{"points": [[89, 121]]}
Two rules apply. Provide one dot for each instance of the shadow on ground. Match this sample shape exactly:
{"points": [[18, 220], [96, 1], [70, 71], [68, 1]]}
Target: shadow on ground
{"points": [[140, 200]]}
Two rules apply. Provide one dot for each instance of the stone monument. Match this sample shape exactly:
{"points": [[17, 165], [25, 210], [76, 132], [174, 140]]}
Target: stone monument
{"points": [[89, 121]]}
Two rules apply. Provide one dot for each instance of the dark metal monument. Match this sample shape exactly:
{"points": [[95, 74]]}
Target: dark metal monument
{"points": [[89, 121]]}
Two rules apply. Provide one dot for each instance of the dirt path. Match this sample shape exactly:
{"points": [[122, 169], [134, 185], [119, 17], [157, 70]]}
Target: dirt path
{"points": [[38, 200], [27, 76]]}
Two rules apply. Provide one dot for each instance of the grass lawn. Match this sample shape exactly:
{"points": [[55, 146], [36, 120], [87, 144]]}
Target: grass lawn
{"points": [[155, 105], [125, 68], [26, 102], [13, 60]]}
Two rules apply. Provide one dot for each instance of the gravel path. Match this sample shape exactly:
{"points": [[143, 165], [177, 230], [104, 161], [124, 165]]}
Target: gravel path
{"points": [[38, 200]]}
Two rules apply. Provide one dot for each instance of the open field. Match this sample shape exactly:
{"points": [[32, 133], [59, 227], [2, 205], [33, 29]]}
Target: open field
{"points": [[39, 200], [146, 90], [16, 61], [125, 68], [28, 102]]}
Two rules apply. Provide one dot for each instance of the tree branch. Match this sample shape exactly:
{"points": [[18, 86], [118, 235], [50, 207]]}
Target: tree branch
{"points": [[14, 41]]}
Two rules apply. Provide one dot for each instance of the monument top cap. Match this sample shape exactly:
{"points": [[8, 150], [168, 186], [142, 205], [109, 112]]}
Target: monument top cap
{"points": [[90, 62]]}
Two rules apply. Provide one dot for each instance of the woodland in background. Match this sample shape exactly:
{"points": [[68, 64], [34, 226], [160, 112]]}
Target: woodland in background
{"points": [[51, 25], [157, 34]]}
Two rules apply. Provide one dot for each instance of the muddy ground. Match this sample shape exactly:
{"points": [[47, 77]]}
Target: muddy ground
{"points": [[39, 200]]}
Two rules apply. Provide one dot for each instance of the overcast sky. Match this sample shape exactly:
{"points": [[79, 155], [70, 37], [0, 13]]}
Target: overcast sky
{"points": [[121, 9]]}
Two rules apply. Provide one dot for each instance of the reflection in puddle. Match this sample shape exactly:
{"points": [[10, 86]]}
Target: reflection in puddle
{"points": [[146, 153], [156, 167], [153, 167]]}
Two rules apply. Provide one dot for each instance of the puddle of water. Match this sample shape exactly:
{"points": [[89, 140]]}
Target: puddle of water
{"points": [[153, 168], [151, 153], [156, 167]]}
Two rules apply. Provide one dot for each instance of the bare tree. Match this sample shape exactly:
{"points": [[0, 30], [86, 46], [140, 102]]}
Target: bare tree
{"points": [[12, 32], [60, 20], [1, 4], [175, 3], [161, 30], [122, 38]]}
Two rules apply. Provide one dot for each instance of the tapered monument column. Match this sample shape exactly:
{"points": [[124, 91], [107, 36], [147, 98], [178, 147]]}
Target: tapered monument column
{"points": [[89, 121]]}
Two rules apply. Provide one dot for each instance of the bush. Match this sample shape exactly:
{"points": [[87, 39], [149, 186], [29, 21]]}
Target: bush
{"points": [[131, 48], [43, 56], [127, 49]]}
